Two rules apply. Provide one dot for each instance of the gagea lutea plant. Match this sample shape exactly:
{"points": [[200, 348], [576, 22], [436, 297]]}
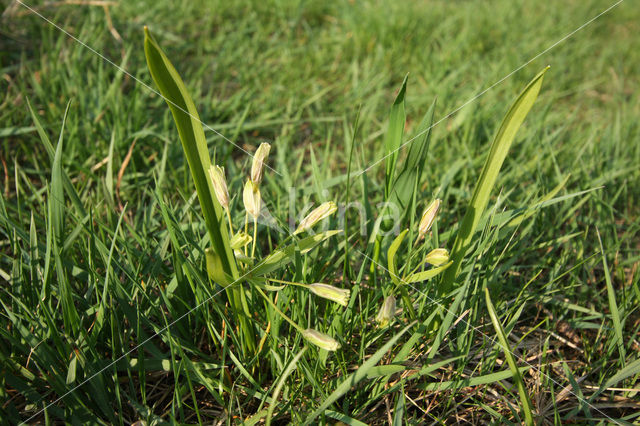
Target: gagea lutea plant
{"points": [[241, 271], [235, 264]]}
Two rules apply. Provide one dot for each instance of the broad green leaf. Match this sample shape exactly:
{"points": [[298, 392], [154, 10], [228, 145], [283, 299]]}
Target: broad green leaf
{"points": [[354, 378], [284, 256], [215, 268], [393, 137], [71, 372], [391, 256], [194, 143], [517, 376], [497, 154]]}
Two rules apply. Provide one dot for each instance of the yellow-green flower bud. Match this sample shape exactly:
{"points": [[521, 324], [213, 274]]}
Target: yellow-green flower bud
{"points": [[387, 311], [259, 158], [323, 211], [437, 257], [251, 198], [321, 340], [240, 240], [330, 292], [216, 173], [428, 217]]}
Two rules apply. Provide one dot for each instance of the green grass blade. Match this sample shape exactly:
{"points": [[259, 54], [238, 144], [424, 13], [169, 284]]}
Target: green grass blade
{"points": [[393, 137], [411, 172], [56, 192], [632, 369], [57, 221], [355, 378], [276, 392], [398, 415], [499, 149], [471, 381], [344, 419], [513, 366], [68, 186], [613, 307], [449, 318]]}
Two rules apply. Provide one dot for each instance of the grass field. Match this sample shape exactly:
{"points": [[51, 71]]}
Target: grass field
{"points": [[107, 311]]}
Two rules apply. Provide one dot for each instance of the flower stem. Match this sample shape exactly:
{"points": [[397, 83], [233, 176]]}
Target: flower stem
{"points": [[255, 236], [288, 282], [246, 228], [229, 219], [282, 314]]}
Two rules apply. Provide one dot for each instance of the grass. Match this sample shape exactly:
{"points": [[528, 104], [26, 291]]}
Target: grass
{"points": [[102, 241]]}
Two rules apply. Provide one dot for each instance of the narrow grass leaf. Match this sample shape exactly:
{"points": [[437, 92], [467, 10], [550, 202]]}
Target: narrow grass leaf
{"points": [[71, 371], [449, 318], [413, 166], [68, 186], [56, 192], [393, 137], [513, 366], [398, 415], [354, 378], [539, 204], [632, 369], [613, 306], [57, 209], [276, 392], [344, 418]]}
